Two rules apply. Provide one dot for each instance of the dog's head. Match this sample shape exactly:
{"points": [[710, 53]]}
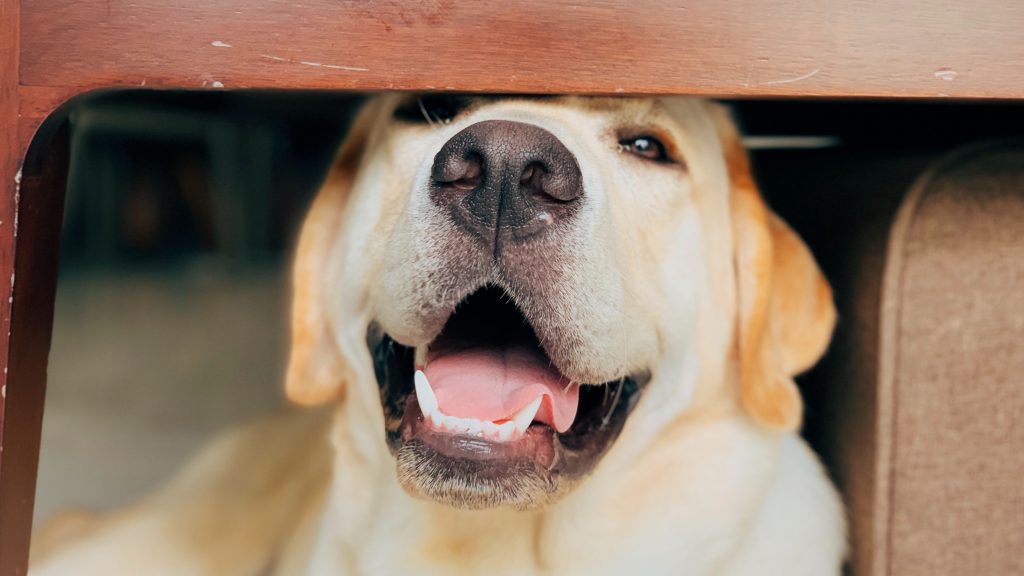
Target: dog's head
{"points": [[505, 283]]}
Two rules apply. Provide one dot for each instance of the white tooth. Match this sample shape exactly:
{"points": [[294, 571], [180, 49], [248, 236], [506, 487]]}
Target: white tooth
{"points": [[524, 417], [474, 427], [506, 430], [490, 429], [455, 424], [425, 394], [445, 423], [435, 419]]}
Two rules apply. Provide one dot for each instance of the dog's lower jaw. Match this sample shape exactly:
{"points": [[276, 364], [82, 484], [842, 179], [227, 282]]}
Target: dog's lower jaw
{"points": [[692, 507], [428, 474]]}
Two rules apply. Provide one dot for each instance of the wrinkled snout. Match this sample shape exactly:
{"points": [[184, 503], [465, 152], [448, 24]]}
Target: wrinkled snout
{"points": [[504, 181]]}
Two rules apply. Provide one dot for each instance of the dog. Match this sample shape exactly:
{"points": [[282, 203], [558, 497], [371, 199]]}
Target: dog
{"points": [[547, 335]]}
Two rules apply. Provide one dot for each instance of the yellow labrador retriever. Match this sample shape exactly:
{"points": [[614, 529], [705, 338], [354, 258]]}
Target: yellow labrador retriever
{"points": [[553, 335]]}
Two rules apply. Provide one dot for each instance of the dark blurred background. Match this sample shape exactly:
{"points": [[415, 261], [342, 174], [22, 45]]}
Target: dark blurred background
{"points": [[181, 212]]}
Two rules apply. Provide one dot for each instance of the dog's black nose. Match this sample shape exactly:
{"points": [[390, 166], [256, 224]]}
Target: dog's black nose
{"points": [[503, 180]]}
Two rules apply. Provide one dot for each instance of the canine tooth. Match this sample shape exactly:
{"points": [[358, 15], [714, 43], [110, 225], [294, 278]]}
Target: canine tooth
{"points": [[524, 417], [435, 419], [506, 430], [420, 355], [425, 394]]}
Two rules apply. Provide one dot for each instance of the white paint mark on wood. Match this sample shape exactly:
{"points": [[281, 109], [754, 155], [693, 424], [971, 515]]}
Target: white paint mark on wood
{"points": [[17, 199], [810, 74], [269, 57], [947, 74], [220, 44], [217, 84]]}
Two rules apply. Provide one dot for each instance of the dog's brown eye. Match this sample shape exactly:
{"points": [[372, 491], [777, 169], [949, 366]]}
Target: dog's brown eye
{"points": [[431, 109], [646, 147]]}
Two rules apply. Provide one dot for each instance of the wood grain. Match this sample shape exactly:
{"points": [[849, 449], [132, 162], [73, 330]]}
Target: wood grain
{"points": [[967, 49]]}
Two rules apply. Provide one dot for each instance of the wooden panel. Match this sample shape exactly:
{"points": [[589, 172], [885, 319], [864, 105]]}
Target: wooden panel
{"points": [[14, 523], [953, 48], [33, 280], [35, 105]]}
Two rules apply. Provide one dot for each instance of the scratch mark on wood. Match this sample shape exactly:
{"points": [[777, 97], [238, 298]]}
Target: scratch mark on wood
{"points": [[947, 74], [220, 44], [334, 66], [315, 64], [810, 74]]}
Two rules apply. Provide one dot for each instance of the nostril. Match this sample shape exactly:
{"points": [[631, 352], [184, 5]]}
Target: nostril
{"points": [[462, 172], [561, 185], [565, 184], [532, 178]]}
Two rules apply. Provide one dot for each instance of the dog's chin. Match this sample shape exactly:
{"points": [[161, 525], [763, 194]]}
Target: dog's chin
{"points": [[457, 446]]}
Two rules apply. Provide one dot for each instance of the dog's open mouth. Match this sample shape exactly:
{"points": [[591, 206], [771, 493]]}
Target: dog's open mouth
{"points": [[482, 416]]}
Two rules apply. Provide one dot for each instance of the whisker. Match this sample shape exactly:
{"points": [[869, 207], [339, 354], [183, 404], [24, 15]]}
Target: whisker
{"points": [[615, 402], [423, 109]]}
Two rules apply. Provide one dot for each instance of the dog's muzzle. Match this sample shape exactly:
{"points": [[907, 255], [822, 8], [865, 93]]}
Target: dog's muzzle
{"points": [[483, 414], [504, 181]]}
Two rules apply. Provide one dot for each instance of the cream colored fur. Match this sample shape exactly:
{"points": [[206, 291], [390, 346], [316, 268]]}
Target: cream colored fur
{"points": [[686, 272]]}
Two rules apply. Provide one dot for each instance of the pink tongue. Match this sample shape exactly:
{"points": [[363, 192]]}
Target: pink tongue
{"points": [[493, 383]]}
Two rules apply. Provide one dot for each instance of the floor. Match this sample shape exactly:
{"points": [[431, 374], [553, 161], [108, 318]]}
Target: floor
{"points": [[146, 365]]}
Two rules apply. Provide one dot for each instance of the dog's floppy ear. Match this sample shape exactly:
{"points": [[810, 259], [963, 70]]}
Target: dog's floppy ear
{"points": [[316, 369], [785, 308]]}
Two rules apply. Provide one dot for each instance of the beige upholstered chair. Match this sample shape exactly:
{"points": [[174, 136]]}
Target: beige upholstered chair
{"points": [[919, 405]]}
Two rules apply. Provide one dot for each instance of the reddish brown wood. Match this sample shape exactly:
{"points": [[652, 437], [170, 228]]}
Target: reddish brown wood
{"points": [[965, 48], [13, 535], [34, 279], [35, 105], [31, 185]]}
